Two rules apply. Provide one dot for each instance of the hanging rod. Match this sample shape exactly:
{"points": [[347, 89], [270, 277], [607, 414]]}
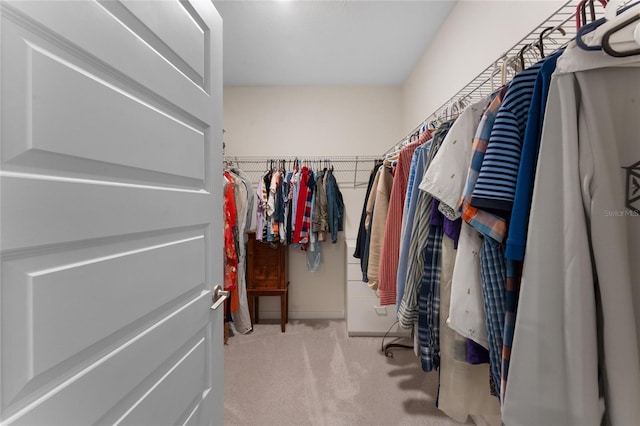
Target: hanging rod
{"points": [[480, 86], [349, 171]]}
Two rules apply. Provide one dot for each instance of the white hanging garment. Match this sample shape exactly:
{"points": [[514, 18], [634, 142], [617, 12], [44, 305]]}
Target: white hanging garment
{"points": [[445, 179], [580, 287], [241, 318]]}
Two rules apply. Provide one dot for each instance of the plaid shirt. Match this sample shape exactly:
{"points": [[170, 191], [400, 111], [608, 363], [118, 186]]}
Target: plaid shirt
{"points": [[494, 228], [493, 274], [514, 277], [408, 308], [429, 299]]}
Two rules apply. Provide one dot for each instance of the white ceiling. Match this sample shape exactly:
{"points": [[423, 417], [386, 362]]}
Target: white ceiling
{"points": [[326, 42]]}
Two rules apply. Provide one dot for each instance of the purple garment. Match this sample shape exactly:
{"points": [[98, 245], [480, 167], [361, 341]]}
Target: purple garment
{"points": [[437, 218], [476, 354], [452, 230], [260, 211]]}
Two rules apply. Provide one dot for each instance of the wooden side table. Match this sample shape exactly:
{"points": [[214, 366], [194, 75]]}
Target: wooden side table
{"points": [[267, 276]]}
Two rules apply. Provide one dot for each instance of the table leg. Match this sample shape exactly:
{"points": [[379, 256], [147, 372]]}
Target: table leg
{"points": [[256, 303], [283, 310], [286, 311], [250, 302]]}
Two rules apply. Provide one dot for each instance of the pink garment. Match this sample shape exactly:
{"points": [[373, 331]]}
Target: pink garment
{"points": [[302, 200], [390, 252]]}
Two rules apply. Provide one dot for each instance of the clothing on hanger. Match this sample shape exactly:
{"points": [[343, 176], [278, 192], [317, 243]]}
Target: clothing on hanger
{"points": [[393, 227], [587, 283]]}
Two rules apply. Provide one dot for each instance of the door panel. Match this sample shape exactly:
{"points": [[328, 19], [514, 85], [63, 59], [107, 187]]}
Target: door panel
{"points": [[127, 143], [81, 28], [175, 24], [110, 213], [197, 416], [50, 118], [95, 392], [132, 283], [166, 405], [32, 202]]}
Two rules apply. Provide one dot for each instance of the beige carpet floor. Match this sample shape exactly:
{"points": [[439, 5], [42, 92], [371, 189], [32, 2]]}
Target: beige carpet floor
{"points": [[314, 374]]}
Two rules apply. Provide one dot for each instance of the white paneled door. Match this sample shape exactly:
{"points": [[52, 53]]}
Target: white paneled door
{"points": [[110, 212]]}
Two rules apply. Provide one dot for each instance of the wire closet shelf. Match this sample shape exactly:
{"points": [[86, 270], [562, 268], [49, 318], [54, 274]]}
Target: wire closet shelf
{"points": [[349, 171], [487, 80]]}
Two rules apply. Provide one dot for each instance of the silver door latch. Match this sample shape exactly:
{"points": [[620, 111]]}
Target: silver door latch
{"points": [[219, 296]]}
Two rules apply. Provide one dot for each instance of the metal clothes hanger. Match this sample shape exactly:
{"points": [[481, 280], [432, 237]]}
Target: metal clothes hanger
{"points": [[451, 110], [456, 107], [494, 73]]}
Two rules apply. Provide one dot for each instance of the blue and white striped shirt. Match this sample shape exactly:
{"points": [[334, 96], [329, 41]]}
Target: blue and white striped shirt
{"points": [[496, 185]]}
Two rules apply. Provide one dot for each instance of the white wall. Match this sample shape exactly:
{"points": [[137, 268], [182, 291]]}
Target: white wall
{"points": [[475, 34], [323, 121], [311, 120]]}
